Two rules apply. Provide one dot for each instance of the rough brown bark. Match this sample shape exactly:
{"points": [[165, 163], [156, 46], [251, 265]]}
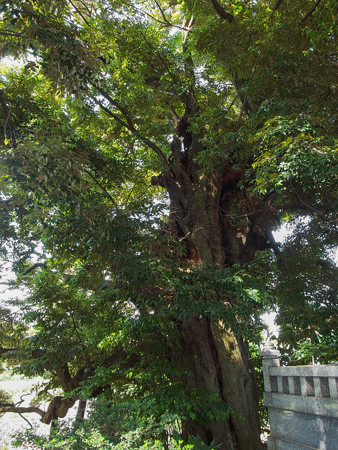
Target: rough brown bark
{"points": [[238, 387], [218, 362], [202, 216]]}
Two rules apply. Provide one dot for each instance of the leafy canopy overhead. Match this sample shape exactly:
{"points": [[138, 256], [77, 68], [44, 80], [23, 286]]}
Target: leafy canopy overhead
{"points": [[149, 149]]}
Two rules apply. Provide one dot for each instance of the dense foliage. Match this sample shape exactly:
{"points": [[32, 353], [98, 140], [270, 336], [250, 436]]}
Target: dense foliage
{"points": [[149, 150]]}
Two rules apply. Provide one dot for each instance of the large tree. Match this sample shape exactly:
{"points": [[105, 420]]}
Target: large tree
{"points": [[223, 111]]}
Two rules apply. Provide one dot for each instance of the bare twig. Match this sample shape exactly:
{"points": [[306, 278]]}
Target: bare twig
{"points": [[26, 420], [85, 6], [166, 24]]}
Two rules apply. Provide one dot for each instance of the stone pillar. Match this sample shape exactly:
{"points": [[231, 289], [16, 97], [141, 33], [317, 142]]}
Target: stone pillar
{"points": [[271, 357]]}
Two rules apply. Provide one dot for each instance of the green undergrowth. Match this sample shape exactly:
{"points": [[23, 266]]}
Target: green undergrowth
{"points": [[108, 427]]}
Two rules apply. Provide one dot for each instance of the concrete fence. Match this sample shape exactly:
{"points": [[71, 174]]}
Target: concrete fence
{"points": [[302, 403]]}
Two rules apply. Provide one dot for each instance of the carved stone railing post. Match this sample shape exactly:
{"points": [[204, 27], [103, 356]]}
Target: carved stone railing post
{"points": [[271, 357], [302, 402]]}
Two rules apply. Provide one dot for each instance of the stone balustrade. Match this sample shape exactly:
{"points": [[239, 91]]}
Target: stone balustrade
{"points": [[302, 403]]}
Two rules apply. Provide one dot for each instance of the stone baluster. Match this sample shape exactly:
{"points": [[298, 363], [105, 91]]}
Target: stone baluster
{"points": [[333, 387]]}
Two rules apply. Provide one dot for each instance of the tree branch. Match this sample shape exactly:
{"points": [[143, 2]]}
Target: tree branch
{"points": [[22, 409], [233, 102], [277, 5], [117, 105], [101, 187], [162, 13], [7, 350], [174, 114], [133, 130], [243, 97], [221, 11], [85, 6], [165, 23], [8, 120], [113, 115], [58, 407], [35, 266], [10, 33], [79, 12], [312, 10], [160, 57], [296, 207], [310, 208]]}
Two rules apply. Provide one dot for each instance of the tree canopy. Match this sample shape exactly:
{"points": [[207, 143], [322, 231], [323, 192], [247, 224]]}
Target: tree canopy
{"points": [[149, 151]]}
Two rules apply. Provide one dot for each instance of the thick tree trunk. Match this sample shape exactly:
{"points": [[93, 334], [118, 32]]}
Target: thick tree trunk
{"points": [[218, 362], [220, 225], [238, 387]]}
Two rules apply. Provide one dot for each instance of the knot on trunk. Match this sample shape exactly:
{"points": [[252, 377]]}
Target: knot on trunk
{"points": [[57, 408]]}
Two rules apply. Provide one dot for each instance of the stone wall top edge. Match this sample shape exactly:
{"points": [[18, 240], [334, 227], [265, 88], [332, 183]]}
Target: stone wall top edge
{"points": [[305, 371]]}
